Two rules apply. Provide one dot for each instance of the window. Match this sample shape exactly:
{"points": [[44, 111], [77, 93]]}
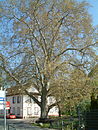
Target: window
{"points": [[36, 111], [13, 110], [56, 109], [18, 99], [14, 100], [18, 110], [51, 111], [29, 112]]}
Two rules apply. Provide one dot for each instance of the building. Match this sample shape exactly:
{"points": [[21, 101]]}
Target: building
{"points": [[23, 106]]}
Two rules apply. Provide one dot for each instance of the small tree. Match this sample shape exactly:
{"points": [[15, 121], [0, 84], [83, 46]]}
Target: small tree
{"points": [[71, 88]]}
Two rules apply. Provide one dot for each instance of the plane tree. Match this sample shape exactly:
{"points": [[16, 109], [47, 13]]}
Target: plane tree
{"points": [[41, 37]]}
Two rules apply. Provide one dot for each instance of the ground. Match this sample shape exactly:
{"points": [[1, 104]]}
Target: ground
{"points": [[20, 124]]}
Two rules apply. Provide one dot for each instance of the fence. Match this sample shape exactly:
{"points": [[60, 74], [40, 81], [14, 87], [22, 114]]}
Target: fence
{"points": [[65, 124], [19, 127], [11, 127], [71, 123]]}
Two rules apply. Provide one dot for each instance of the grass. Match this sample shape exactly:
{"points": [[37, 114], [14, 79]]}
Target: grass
{"points": [[42, 125], [45, 125], [67, 124]]}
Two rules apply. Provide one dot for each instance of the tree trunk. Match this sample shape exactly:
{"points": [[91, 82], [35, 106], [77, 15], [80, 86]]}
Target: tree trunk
{"points": [[59, 113], [44, 108], [44, 113]]}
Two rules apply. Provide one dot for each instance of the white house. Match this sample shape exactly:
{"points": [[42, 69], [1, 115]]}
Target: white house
{"points": [[23, 106]]}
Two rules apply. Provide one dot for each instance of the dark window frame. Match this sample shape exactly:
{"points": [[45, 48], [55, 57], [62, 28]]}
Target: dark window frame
{"points": [[18, 110], [18, 99], [14, 100]]}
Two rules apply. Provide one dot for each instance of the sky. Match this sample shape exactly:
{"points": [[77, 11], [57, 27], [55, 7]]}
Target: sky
{"points": [[93, 10]]}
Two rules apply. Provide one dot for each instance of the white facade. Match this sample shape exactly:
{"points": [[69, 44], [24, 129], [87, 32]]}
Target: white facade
{"points": [[16, 107], [23, 106]]}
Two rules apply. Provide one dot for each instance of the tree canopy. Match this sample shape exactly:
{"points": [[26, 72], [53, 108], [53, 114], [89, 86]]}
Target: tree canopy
{"points": [[41, 39]]}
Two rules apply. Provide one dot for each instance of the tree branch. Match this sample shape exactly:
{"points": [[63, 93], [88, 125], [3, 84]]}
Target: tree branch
{"points": [[33, 97], [52, 105], [75, 49]]}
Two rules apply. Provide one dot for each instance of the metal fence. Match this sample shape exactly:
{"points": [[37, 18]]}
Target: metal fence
{"points": [[11, 127], [71, 123], [65, 124], [20, 127]]}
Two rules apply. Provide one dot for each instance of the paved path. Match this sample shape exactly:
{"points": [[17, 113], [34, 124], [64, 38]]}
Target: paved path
{"points": [[20, 124]]}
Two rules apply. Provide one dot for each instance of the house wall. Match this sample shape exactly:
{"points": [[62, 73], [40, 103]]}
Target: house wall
{"points": [[15, 106], [27, 107], [30, 108], [54, 110]]}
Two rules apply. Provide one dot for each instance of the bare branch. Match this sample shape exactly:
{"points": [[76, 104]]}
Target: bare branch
{"points": [[33, 97], [52, 105]]}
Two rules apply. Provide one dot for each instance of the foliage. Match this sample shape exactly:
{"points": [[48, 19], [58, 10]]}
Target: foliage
{"points": [[93, 75], [0, 82], [43, 43], [75, 89], [84, 106]]}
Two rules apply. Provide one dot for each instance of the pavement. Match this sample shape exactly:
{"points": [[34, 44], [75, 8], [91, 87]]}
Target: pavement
{"points": [[20, 124]]}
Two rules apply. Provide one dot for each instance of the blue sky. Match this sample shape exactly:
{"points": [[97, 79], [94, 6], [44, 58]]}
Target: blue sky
{"points": [[93, 10]]}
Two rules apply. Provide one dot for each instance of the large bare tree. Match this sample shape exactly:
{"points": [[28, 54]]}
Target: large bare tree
{"points": [[41, 37]]}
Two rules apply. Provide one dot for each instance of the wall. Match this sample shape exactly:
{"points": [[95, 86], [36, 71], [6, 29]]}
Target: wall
{"points": [[16, 108], [28, 108]]}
